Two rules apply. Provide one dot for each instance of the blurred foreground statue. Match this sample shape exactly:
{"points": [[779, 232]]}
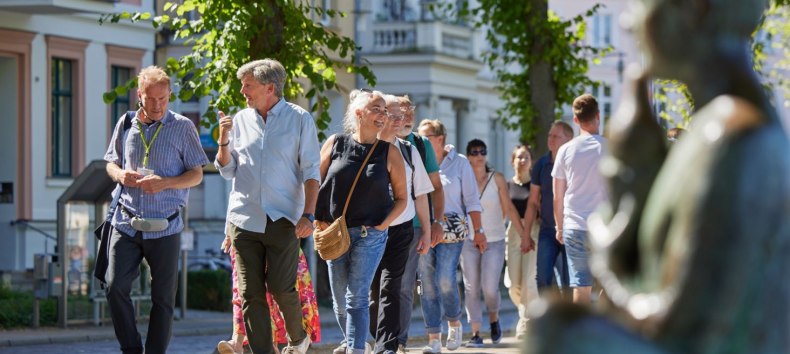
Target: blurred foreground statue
{"points": [[695, 253]]}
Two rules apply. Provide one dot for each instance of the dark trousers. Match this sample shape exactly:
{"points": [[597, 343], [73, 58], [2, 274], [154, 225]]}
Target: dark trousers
{"points": [[385, 291], [126, 253], [268, 261], [552, 264]]}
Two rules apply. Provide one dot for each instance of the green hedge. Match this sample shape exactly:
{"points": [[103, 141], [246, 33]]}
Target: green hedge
{"points": [[16, 309], [209, 290]]}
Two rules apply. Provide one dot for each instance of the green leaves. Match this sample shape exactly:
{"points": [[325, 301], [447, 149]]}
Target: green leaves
{"points": [[224, 34]]}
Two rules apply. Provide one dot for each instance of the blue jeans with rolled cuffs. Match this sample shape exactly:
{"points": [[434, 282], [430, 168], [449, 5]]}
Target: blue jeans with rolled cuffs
{"points": [[438, 270], [350, 277]]}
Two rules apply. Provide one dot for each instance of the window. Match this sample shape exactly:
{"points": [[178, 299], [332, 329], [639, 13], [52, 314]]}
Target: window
{"points": [[119, 75], [325, 19], [601, 30], [65, 106], [62, 116], [123, 63]]}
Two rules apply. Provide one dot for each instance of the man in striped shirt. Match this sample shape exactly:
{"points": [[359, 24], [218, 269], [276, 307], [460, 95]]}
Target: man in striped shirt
{"points": [[155, 155]]}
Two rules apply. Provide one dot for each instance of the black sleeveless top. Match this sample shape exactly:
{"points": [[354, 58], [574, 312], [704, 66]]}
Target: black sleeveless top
{"points": [[371, 201], [518, 195]]}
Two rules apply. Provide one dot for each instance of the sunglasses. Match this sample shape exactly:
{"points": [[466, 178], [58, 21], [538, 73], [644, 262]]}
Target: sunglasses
{"points": [[482, 152]]}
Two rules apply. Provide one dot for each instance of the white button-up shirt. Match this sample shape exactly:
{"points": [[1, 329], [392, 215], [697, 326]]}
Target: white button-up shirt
{"points": [[269, 164]]}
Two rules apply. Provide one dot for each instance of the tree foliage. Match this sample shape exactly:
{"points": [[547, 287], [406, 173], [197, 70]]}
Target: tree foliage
{"points": [[771, 60], [540, 60], [224, 34]]}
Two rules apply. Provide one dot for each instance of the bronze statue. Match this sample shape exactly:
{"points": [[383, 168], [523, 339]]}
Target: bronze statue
{"points": [[694, 255]]}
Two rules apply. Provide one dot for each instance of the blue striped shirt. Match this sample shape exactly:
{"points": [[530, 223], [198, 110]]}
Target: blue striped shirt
{"points": [[269, 164], [176, 150]]}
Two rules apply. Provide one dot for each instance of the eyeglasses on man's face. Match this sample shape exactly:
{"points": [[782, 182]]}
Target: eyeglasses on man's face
{"points": [[481, 152], [396, 116]]}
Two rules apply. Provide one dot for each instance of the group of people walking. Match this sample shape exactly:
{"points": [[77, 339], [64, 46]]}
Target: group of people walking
{"points": [[416, 208]]}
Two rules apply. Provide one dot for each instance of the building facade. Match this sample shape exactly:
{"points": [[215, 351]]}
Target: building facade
{"points": [[56, 61]]}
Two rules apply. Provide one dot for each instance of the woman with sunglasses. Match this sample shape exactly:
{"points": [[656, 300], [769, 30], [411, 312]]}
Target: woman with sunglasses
{"points": [[482, 270], [370, 211], [438, 266]]}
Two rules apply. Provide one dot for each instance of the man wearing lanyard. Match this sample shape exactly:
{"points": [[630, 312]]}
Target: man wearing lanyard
{"points": [[270, 150], [156, 160]]}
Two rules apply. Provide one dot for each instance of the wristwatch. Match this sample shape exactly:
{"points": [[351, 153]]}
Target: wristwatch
{"points": [[309, 217], [479, 231]]}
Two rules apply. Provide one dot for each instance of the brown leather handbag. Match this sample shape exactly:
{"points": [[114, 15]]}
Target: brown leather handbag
{"points": [[334, 241]]}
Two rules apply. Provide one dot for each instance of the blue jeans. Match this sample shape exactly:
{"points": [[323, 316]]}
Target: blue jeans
{"points": [[552, 261], [350, 277], [578, 257], [439, 286]]}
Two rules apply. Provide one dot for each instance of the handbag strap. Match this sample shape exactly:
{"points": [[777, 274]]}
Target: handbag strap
{"points": [[362, 167], [486, 185]]}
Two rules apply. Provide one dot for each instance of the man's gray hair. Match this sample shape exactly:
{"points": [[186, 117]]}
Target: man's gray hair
{"points": [[265, 71]]}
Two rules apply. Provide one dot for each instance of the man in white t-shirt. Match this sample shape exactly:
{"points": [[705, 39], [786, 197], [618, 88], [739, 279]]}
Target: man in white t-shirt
{"points": [[385, 291], [579, 188]]}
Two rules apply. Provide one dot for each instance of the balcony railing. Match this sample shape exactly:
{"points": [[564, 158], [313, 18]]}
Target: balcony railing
{"points": [[420, 37]]}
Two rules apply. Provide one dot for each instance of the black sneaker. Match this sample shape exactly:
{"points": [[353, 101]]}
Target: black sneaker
{"points": [[474, 342], [496, 332]]}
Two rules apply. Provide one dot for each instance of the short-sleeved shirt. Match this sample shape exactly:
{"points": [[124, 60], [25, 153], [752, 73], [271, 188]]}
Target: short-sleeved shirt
{"points": [[422, 183], [541, 177], [431, 165], [175, 150], [577, 162]]}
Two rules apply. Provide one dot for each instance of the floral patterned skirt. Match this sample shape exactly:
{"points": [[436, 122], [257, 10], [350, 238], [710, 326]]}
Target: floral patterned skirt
{"points": [[304, 285]]}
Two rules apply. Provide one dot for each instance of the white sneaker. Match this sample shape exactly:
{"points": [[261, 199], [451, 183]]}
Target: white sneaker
{"points": [[434, 347], [521, 328], [454, 337], [341, 349], [347, 350], [300, 348]]}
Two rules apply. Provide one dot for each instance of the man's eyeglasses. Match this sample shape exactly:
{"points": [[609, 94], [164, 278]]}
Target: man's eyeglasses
{"points": [[396, 117], [482, 152]]}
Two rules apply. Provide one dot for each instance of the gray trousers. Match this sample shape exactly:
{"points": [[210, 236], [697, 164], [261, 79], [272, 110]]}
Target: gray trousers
{"points": [[126, 254], [408, 285]]}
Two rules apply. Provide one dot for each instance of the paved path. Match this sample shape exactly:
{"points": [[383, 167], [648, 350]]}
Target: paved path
{"points": [[200, 331]]}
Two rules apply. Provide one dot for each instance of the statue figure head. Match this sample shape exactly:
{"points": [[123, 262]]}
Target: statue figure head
{"points": [[678, 35]]}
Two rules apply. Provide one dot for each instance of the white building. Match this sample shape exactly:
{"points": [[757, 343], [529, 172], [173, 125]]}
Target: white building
{"points": [[438, 64], [56, 61]]}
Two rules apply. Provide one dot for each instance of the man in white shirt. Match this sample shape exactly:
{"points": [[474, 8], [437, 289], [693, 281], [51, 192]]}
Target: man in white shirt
{"points": [[270, 150], [385, 290], [579, 188]]}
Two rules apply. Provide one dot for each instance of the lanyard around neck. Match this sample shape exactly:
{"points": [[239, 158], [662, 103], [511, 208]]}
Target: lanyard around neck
{"points": [[147, 144]]}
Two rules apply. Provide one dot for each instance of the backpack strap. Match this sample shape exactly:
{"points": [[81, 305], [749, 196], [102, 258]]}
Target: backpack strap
{"points": [[420, 145], [405, 150]]}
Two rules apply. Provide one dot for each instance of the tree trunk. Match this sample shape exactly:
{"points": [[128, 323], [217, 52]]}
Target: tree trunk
{"points": [[543, 91], [269, 41]]}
